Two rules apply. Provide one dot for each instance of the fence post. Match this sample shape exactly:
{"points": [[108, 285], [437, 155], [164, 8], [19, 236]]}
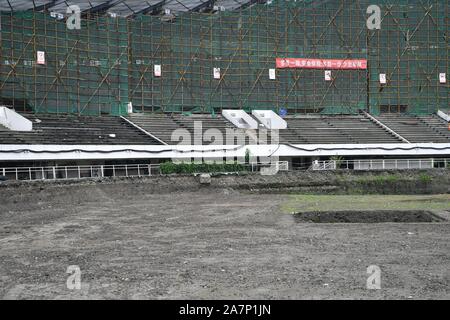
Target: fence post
{"points": [[54, 173], [29, 171], [102, 171], [149, 170]]}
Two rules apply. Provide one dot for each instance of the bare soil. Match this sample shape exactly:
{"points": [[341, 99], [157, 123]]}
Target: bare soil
{"points": [[209, 244]]}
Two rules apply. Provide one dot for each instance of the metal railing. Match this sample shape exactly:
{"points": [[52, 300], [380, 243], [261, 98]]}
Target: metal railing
{"points": [[381, 164], [100, 171], [79, 172]]}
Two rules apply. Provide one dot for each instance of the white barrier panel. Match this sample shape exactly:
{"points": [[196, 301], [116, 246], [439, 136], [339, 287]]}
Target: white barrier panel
{"points": [[14, 121], [270, 119], [240, 119]]}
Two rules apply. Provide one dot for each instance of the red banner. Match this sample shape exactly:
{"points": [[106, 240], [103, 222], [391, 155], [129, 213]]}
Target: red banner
{"points": [[341, 64]]}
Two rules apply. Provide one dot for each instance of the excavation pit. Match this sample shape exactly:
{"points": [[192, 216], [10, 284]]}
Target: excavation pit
{"points": [[372, 216]]}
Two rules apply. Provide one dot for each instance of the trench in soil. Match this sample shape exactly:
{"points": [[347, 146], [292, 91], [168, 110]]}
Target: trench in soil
{"points": [[372, 216]]}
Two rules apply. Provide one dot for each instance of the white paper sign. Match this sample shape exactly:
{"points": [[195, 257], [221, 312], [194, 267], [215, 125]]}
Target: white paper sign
{"points": [[40, 57], [157, 70], [382, 78], [327, 75], [272, 74], [129, 108], [216, 73], [442, 78]]}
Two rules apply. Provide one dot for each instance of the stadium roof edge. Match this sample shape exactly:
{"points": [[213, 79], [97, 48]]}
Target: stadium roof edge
{"points": [[90, 152], [124, 8]]}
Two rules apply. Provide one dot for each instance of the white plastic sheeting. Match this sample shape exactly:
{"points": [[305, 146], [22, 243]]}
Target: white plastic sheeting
{"points": [[240, 119], [14, 121], [270, 119]]}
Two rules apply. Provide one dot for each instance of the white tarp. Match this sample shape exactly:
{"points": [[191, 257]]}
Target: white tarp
{"points": [[14, 121]]}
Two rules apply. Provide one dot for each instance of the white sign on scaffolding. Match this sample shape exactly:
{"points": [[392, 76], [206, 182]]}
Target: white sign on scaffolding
{"points": [[157, 70], [40, 57], [272, 74], [216, 73]]}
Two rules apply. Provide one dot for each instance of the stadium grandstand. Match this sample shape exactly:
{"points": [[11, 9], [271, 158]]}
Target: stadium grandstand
{"points": [[131, 81]]}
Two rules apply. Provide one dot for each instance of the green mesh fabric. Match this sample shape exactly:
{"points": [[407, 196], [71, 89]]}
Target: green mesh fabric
{"points": [[109, 62]]}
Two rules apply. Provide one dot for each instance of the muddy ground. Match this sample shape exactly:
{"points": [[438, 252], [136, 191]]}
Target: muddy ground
{"points": [[217, 243]]}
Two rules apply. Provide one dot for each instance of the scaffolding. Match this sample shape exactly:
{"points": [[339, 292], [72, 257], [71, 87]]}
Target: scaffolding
{"points": [[111, 60]]}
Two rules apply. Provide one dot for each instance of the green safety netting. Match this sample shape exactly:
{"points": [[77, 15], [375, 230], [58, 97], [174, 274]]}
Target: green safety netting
{"points": [[110, 61]]}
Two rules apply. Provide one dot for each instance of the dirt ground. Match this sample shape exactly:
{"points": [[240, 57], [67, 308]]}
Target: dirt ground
{"points": [[219, 244]]}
